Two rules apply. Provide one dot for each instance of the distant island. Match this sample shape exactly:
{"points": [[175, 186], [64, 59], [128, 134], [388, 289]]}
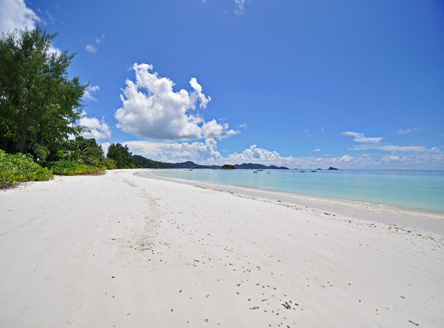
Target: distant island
{"points": [[143, 162], [228, 167], [332, 168]]}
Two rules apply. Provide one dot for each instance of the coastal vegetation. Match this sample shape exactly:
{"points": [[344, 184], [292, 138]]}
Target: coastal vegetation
{"points": [[143, 162], [121, 155], [15, 168], [40, 108]]}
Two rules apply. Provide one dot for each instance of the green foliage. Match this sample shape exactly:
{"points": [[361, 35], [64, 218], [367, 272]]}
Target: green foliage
{"points": [[39, 105], [143, 162], [109, 163], [82, 150], [228, 167], [66, 167], [121, 155], [19, 168]]}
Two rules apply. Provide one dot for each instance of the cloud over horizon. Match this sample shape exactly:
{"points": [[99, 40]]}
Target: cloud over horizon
{"points": [[152, 110]]}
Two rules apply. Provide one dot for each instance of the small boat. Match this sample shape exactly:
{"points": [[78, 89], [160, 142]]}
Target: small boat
{"points": [[302, 171], [254, 171], [268, 172], [313, 171], [319, 169]]}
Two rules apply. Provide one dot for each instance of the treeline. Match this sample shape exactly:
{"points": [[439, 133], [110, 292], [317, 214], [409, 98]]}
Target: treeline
{"points": [[40, 108]]}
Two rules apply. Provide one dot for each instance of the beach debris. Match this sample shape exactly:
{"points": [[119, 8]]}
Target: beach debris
{"points": [[286, 305], [206, 320], [254, 308], [172, 310], [413, 323]]}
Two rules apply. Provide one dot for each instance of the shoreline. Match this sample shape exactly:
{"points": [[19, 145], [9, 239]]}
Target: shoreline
{"points": [[127, 251], [419, 219]]}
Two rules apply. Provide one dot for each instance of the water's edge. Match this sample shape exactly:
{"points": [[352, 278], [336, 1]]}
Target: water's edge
{"points": [[422, 220]]}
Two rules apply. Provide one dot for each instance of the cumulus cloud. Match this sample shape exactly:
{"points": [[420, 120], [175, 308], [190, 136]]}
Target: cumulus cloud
{"points": [[91, 49], [15, 15], [359, 137], [317, 149], [239, 7], [401, 131], [197, 87], [152, 110], [99, 129], [89, 91]]}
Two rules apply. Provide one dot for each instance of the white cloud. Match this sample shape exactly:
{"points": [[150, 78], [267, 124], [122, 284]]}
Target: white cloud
{"points": [[359, 137], [91, 49], [161, 113], [239, 8], [89, 91], [15, 15], [197, 87], [54, 50], [401, 131], [105, 147], [317, 149], [391, 148], [99, 129], [99, 40], [243, 126], [51, 18], [391, 158]]}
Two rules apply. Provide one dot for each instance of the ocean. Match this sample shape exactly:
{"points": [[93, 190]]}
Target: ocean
{"points": [[412, 190]]}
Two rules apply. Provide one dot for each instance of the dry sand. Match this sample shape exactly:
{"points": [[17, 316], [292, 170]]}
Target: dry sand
{"points": [[127, 250]]}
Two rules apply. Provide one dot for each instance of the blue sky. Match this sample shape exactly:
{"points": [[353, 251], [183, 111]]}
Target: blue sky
{"points": [[351, 84]]}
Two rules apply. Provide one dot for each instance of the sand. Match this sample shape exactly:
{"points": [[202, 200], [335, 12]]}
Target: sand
{"points": [[127, 250]]}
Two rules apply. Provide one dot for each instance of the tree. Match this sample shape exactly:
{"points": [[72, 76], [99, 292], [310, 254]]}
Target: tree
{"points": [[121, 155], [82, 150], [39, 105]]}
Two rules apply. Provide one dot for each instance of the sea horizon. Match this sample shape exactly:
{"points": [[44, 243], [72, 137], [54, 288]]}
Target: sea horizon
{"points": [[413, 190]]}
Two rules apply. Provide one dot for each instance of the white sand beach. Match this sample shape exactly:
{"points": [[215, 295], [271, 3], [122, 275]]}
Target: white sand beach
{"points": [[127, 250]]}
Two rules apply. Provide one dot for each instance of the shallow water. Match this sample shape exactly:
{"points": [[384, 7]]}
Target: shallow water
{"points": [[417, 190]]}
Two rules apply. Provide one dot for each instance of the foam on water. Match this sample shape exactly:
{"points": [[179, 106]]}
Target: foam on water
{"points": [[417, 190]]}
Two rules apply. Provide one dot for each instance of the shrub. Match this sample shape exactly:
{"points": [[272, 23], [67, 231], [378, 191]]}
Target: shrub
{"points": [[65, 167], [16, 168], [109, 163]]}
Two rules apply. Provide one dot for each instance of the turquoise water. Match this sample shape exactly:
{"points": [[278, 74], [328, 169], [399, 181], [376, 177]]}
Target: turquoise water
{"points": [[419, 190]]}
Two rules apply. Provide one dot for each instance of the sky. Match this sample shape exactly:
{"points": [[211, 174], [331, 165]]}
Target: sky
{"points": [[298, 83]]}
